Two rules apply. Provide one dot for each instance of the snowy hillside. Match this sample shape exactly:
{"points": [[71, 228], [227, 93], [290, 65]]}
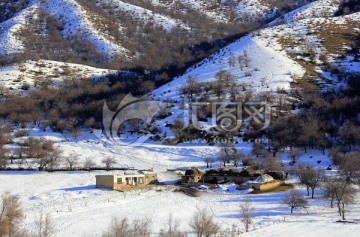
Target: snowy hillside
{"points": [[25, 75], [88, 18], [9, 40], [77, 21], [284, 53], [292, 50], [271, 51]]}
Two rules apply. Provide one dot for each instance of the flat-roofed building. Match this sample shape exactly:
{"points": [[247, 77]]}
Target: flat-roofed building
{"points": [[117, 182]]}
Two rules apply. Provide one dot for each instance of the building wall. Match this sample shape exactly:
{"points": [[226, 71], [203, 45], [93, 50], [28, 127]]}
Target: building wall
{"points": [[151, 178], [190, 178], [266, 186], [119, 181], [104, 181]]}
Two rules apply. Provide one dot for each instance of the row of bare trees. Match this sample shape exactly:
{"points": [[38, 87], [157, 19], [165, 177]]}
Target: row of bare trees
{"points": [[44, 153], [325, 119], [12, 215], [201, 223], [224, 83]]}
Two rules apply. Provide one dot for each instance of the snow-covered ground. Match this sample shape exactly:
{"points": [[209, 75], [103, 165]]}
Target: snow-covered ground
{"points": [[15, 76], [78, 208]]}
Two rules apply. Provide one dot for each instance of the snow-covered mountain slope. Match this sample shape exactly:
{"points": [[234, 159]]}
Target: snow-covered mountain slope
{"points": [[104, 23], [316, 9], [10, 42], [290, 47], [78, 21], [142, 14], [291, 51], [25, 75], [244, 11], [280, 53], [265, 62]]}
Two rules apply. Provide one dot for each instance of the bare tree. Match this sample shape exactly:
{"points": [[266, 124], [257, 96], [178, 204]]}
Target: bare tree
{"points": [[118, 228], [270, 164], [258, 149], [141, 228], [227, 152], [178, 129], [124, 228], [224, 159], [10, 214], [316, 178], [237, 157], [3, 159], [46, 154], [209, 161], [88, 164], [44, 225], [345, 195], [350, 134], [203, 225], [52, 159], [191, 87], [294, 155], [243, 61], [247, 211], [109, 162], [294, 200], [225, 77], [330, 192], [172, 229], [310, 177], [72, 160], [349, 166], [304, 173]]}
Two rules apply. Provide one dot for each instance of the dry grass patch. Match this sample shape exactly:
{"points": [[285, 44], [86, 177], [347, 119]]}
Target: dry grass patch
{"points": [[290, 42], [336, 36]]}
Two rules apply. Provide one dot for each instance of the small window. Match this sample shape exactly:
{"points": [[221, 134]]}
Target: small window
{"points": [[119, 180]]}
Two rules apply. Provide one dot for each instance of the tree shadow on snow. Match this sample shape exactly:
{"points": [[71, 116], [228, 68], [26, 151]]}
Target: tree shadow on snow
{"points": [[80, 188]]}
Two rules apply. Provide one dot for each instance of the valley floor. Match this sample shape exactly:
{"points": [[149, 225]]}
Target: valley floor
{"points": [[77, 208]]}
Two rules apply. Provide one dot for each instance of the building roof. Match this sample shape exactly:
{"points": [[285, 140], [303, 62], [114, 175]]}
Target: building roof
{"points": [[264, 178], [248, 172], [232, 172], [195, 171]]}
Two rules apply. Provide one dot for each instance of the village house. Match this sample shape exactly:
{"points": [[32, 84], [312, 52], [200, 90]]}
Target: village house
{"points": [[229, 175], [264, 182], [118, 182], [192, 175], [249, 178]]}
